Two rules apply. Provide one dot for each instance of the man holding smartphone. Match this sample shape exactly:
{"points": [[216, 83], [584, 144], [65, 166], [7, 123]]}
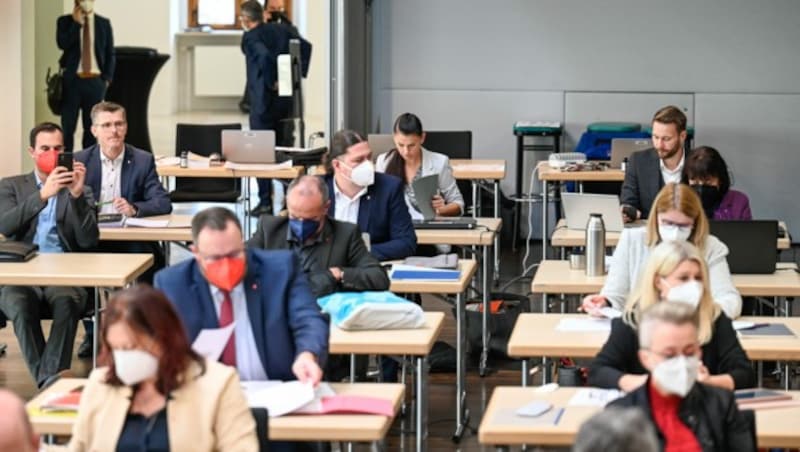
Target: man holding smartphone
{"points": [[52, 208]]}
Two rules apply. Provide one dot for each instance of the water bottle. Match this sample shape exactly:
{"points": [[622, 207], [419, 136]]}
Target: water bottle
{"points": [[595, 245]]}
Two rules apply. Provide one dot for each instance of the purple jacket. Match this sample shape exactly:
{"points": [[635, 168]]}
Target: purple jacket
{"points": [[734, 206]]}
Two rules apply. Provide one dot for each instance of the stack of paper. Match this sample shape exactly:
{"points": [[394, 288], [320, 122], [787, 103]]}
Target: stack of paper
{"points": [[63, 402], [281, 398], [167, 161], [258, 166], [584, 324], [594, 397], [401, 271], [145, 223]]}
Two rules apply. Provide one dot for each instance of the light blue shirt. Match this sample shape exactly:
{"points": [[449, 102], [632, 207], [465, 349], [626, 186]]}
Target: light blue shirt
{"points": [[46, 230], [248, 363]]}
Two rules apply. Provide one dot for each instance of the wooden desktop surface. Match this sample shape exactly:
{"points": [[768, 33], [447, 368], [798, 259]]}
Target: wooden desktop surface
{"points": [[221, 171], [477, 169], [467, 267], [415, 342], [774, 428], [555, 277], [564, 237], [331, 427], [179, 230], [535, 335], [482, 235], [546, 173], [75, 269]]}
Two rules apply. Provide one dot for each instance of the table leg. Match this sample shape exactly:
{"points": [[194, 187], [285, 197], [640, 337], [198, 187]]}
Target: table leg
{"points": [[760, 373], [496, 252], [544, 220], [352, 368], [96, 319], [421, 420], [246, 216], [786, 375], [545, 363], [525, 364], [462, 414], [485, 314]]}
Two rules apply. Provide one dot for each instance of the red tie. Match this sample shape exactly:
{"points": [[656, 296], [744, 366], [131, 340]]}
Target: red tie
{"points": [[86, 51], [225, 319]]}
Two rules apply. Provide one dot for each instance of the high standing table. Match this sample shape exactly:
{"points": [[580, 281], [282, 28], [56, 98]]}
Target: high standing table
{"points": [[548, 174], [486, 175], [484, 236], [500, 428], [457, 288], [314, 427], [414, 342], [77, 270]]}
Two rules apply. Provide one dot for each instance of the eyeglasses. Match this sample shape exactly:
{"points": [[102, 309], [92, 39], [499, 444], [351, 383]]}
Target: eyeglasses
{"points": [[115, 124], [689, 351]]}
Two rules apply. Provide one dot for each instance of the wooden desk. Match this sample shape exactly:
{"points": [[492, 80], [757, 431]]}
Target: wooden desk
{"points": [[775, 427], [179, 230], [563, 237], [332, 427], [76, 270], [415, 342], [457, 288], [533, 336], [482, 235], [555, 277]]}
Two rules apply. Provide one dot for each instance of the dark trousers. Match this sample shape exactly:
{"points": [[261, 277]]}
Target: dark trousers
{"points": [[272, 113], [80, 94], [26, 307]]}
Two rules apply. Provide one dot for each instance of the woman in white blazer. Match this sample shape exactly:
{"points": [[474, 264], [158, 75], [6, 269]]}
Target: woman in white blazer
{"points": [[409, 161], [677, 214]]}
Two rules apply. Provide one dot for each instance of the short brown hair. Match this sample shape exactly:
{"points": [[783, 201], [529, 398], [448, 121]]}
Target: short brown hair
{"points": [[340, 143], [147, 311], [45, 127], [671, 115], [214, 218], [107, 107]]}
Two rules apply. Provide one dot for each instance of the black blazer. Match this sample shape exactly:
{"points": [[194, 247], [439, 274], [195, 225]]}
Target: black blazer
{"points": [[20, 205], [723, 354], [68, 34], [643, 181], [340, 246], [711, 413], [140, 184]]}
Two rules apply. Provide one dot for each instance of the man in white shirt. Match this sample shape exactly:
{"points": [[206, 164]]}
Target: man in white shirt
{"points": [[88, 61], [649, 170]]}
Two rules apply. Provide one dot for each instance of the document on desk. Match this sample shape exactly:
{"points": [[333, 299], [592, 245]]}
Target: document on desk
{"points": [[210, 342], [594, 397], [167, 161], [258, 166], [584, 325], [146, 223], [279, 398], [401, 272]]}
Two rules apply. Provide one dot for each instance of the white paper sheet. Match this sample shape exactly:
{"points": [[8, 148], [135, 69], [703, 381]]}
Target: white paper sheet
{"points": [[258, 166], [586, 325], [315, 406], [610, 313], [594, 397], [210, 342], [742, 325], [145, 223], [168, 161], [281, 398]]}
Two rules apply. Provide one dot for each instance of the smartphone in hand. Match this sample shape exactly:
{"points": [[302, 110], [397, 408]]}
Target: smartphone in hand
{"points": [[65, 160]]}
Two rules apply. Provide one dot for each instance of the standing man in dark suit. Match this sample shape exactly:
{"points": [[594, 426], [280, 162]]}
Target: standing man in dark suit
{"points": [[52, 208], [280, 333], [88, 60], [124, 181], [261, 45], [332, 253], [649, 170], [375, 202]]}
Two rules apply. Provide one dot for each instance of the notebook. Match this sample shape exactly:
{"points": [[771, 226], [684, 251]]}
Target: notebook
{"points": [[622, 148], [752, 245], [380, 143], [578, 207], [425, 188], [248, 146]]}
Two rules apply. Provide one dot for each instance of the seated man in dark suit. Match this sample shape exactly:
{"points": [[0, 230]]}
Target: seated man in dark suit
{"points": [[376, 202], [280, 333], [124, 180], [331, 253], [649, 170], [52, 208]]}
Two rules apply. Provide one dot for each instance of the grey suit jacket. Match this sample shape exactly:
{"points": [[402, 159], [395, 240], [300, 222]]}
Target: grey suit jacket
{"points": [[20, 204], [341, 246], [643, 181]]}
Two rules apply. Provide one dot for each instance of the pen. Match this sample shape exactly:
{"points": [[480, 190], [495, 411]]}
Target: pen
{"points": [[558, 416], [757, 325]]}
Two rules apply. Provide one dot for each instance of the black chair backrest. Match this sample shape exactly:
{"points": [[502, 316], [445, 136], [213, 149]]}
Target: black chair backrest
{"points": [[261, 417], [456, 145], [203, 139]]}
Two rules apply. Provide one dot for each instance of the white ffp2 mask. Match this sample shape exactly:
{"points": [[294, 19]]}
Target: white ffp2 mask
{"points": [[672, 233], [689, 293], [677, 375], [134, 366], [363, 174]]}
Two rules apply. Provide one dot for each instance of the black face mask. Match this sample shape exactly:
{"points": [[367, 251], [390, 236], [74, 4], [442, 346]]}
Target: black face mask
{"points": [[710, 196]]}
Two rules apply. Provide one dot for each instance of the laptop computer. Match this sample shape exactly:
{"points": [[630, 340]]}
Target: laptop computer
{"points": [[752, 245], [248, 146], [425, 188], [578, 206], [380, 143], [622, 148]]}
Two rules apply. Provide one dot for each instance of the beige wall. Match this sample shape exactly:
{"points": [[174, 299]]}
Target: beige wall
{"points": [[316, 30]]}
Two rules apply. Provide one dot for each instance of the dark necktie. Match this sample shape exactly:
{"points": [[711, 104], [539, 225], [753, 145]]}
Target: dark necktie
{"points": [[225, 319], [86, 51]]}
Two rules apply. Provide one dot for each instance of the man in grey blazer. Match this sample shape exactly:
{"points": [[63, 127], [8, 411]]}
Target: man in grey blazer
{"points": [[649, 170], [332, 253], [52, 208]]}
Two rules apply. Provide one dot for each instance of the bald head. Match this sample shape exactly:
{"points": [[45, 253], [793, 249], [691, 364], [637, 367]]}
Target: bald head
{"points": [[16, 432], [307, 198]]}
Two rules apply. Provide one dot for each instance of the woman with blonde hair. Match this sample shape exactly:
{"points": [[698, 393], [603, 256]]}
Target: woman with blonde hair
{"points": [[676, 215], [675, 271]]}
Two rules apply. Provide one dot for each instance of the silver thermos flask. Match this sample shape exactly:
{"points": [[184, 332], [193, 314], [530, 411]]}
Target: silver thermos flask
{"points": [[595, 246]]}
